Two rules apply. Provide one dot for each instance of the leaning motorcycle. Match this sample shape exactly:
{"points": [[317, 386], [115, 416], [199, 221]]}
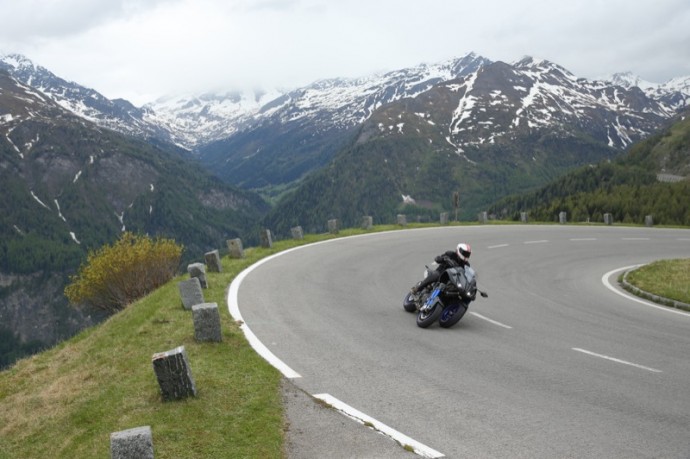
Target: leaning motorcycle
{"points": [[446, 300]]}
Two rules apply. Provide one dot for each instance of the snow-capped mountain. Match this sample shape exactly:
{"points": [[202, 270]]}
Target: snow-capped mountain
{"points": [[118, 115], [502, 100], [240, 135], [196, 121]]}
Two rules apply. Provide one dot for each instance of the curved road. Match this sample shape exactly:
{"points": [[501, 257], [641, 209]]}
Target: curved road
{"points": [[553, 364]]}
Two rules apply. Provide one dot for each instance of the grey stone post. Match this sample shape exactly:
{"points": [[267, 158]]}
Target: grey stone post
{"points": [[174, 374], [213, 261], [206, 322], [444, 218], [562, 217], [608, 219], [266, 239], [483, 217], [402, 220], [198, 270], [190, 292], [649, 220], [523, 217], [136, 443], [367, 222], [297, 233], [235, 248], [333, 226]]}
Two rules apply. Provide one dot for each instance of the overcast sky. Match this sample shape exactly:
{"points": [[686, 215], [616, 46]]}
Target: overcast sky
{"points": [[143, 49]]}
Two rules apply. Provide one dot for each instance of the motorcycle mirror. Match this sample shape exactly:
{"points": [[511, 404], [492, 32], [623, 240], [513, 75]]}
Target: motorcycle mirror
{"points": [[484, 294]]}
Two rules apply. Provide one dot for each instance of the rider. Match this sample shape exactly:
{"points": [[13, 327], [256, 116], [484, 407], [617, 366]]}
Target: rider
{"points": [[448, 259]]}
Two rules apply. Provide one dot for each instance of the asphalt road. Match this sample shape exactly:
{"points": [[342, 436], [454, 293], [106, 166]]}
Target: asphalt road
{"points": [[553, 364]]}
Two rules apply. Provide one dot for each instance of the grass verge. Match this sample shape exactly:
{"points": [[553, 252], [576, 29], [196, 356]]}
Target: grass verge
{"points": [[665, 278]]}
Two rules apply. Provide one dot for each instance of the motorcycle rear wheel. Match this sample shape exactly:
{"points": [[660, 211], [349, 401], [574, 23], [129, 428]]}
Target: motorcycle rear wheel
{"points": [[426, 318], [452, 314]]}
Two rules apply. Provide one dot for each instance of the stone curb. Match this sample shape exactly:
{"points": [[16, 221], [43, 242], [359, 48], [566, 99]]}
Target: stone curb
{"points": [[650, 296]]}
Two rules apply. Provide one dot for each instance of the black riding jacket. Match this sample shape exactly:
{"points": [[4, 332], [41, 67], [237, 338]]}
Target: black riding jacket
{"points": [[453, 257]]}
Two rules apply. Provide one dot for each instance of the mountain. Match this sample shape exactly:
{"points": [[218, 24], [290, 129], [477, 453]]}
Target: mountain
{"points": [[652, 178], [301, 131], [118, 115], [270, 140], [70, 186], [501, 129]]}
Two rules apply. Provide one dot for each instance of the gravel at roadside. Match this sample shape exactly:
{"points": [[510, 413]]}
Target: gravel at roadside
{"points": [[318, 431]]}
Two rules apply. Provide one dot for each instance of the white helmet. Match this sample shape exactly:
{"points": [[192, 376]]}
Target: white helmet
{"points": [[464, 251]]}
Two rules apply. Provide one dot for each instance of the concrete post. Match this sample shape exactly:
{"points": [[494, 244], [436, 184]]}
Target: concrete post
{"points": [[235, 248], [212, 259], [174, 374], [136, 443]]}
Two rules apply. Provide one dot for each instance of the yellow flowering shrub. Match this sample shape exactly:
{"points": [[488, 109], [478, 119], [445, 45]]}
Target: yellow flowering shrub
{"points": [[114, 276]]}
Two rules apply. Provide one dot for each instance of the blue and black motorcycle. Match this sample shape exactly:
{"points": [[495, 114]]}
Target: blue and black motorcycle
{"points": [[447, 299]]}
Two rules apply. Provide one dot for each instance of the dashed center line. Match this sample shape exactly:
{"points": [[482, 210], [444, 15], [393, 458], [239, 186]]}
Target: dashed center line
{"points": [[542, 241], [497, 246], [491, 320], [577, 239], [606, 357]]}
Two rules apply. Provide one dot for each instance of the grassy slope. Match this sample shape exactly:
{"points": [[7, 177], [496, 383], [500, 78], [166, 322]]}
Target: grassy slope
{"points": [[66, 401]]}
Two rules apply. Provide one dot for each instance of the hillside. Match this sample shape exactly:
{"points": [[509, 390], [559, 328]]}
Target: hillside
{"points": [[70, 186], [653, 178]]}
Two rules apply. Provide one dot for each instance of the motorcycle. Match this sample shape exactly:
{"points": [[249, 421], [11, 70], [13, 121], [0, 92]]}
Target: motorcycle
{"points": [[447, 299]]}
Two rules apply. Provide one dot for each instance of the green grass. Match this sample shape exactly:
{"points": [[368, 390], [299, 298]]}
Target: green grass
{"points": [[666, 278]]}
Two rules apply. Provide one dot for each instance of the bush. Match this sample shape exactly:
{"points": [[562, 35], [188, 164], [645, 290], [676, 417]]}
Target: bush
{"points": [[115, 276]]}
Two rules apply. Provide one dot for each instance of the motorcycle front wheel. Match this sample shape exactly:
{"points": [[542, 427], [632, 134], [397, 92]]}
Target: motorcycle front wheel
{"points": [[426, 318], [409, 304], [452, 314]]}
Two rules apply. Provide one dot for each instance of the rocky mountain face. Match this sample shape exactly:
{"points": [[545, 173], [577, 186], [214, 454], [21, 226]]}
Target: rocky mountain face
{"points": [[70, 186]]}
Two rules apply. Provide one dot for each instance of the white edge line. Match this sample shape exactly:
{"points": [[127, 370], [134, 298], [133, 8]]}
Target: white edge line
{"points": [[542, 241], [234, 309], [490, 320], [653, 370], [607, 284], [401, 438]]}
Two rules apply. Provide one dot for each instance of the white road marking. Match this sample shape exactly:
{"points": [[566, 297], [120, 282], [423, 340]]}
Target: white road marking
{"points": [[536, 242], [497, 246], [234, 309], [635, 238], [490, 320], [605, 281], [576, 239], [362, 418], [616, 360]]}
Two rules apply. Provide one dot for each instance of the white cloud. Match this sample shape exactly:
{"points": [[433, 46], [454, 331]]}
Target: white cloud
{"points": [[142, 49]]}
